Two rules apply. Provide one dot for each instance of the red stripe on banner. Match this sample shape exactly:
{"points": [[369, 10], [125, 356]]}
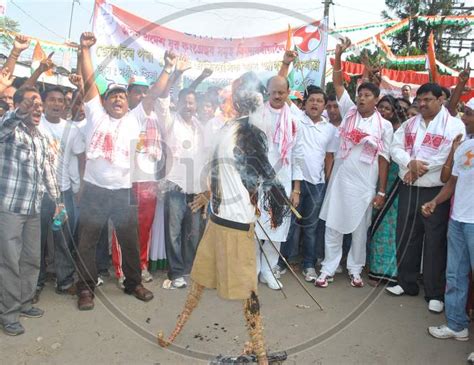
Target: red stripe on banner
{"points": [[407, 77]]}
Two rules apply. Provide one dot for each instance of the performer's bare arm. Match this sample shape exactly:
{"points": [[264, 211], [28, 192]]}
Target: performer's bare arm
{"points": [[337, 72]]}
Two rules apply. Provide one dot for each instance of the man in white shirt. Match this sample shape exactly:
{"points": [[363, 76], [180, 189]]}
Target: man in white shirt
{"points": [[66, 142], [359, 176], [145, 160], [460, 235], [420, 148], [185, 183], [317, 137], [280, 124], [111, 132]]}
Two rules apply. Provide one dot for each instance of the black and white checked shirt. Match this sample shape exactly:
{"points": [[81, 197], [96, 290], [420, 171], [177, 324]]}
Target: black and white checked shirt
{"points": [[26, 167]]}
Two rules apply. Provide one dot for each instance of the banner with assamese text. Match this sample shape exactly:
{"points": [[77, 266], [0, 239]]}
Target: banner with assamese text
{"points": [[130, 45]]}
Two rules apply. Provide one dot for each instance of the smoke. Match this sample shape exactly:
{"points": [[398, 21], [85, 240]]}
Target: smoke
{"points": [[247, 93]]}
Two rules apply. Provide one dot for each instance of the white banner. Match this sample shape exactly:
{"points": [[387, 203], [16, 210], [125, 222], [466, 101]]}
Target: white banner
{"points": [[129, 45]]}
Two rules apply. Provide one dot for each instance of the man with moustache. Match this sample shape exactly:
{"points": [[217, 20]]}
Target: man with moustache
{"points": [[144, 160], [420, 148], [285, 155], [359, 177], [111, 132], [184, 184], [25, 153]]}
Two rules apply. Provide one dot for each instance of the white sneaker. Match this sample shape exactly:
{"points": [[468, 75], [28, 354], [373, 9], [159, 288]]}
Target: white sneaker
{"points": [[323, 280], [435, 306], [310, 274], [356, 281], [146, 276], [396, 290], [272, 283], [99, 282], [179, 283], [278, 271], [444, 332], [470, 358], [339, 269], [120, 281]]}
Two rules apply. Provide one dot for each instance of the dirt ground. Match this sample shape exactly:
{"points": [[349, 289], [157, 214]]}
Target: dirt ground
{"points": [[357, 326]]}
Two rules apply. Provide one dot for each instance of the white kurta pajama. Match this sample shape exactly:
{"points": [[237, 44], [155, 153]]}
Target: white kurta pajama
{"points": [[286, 171], [347, 206]]}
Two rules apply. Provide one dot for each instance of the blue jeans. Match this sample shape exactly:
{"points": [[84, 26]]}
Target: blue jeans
{"points": [[311, 198], [63, 242], [183, 231], [460, 264]]}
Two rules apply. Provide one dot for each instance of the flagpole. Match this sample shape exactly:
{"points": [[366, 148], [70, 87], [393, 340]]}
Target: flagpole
{"points": [[70, 20], [326, 3]]}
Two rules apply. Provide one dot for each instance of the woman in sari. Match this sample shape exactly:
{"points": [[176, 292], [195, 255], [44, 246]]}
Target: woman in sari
{"points": [[382, 245]]}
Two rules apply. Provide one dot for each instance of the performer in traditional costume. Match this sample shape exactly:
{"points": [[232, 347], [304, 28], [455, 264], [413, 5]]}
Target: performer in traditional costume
{"points": [[225, 259]]}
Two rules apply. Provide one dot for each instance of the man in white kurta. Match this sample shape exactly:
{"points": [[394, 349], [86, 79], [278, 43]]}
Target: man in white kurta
{"points": [[284, 154], [348, 203]]}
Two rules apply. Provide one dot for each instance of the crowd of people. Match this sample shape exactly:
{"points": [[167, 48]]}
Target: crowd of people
{"points": [[370, 185]]}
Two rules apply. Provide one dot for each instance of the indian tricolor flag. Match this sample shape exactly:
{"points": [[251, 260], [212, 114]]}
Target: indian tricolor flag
{"points": [[431, 59], [38, 56]]}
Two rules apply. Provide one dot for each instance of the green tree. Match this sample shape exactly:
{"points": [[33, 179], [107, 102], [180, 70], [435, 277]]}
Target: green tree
{"points": [[414, 40], [8, 25]]}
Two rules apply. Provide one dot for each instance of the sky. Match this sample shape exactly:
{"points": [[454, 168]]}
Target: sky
{"points": [[50, 19]]}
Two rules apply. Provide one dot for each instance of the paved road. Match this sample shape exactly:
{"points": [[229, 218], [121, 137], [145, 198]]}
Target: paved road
{"points": [[357, 326]]}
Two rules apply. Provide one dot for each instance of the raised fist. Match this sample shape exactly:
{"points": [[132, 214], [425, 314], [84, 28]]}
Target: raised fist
{"points": [[289, 56], [88, 39], [170, 59], [21, 43], [345, 44]]}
